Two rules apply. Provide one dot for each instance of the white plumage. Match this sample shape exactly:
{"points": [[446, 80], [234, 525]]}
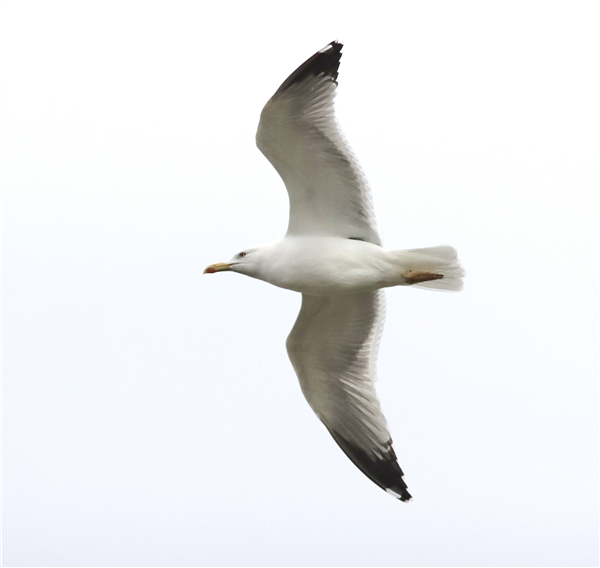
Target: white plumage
{"points": [[332, 254]]}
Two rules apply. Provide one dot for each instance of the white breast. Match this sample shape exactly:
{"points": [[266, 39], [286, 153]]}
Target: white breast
{"points": [[323, 266]]}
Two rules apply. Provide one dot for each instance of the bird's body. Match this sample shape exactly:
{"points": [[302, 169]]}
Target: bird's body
{"points": [[359, 266], [324, 266], [332, 254]]}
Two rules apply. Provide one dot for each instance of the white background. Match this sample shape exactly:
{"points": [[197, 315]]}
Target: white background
{"points": [[151, 416]]}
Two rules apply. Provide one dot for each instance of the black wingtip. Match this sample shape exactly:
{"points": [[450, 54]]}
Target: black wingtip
{"points": [[384, 471], [325, 62]]}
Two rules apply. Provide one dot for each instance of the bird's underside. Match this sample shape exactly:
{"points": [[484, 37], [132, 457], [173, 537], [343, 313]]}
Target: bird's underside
{"points": [[332, 254]]}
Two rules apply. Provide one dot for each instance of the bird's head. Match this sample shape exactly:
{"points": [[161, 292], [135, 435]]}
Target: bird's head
{"points": [[246, 262]]}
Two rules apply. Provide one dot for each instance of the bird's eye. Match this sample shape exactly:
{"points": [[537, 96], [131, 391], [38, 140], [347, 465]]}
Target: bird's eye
{"points": [[242, 254]]}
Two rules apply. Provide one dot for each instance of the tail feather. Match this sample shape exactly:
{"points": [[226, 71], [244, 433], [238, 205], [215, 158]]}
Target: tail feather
{"points": [[441, 260]]}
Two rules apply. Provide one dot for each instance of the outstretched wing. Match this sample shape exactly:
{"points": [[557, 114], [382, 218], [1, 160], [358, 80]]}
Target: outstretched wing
{"points": [[333, 348], [298, 134]]}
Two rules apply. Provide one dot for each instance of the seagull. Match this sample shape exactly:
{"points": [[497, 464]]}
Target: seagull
{"points": [[333, 256]]}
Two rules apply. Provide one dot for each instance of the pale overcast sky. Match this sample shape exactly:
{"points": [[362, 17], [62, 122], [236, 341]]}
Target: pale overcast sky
{"points": [[151, 415]]}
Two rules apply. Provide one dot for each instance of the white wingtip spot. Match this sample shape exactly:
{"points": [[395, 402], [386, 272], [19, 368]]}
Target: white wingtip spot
{"points": [[326, 48], [393, 493]]}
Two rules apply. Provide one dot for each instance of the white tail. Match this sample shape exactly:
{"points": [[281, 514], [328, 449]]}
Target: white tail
{"points": [[441, 260]]}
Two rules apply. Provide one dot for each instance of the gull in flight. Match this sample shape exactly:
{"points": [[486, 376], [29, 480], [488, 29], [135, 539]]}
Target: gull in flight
{"points": [[333, 256]]}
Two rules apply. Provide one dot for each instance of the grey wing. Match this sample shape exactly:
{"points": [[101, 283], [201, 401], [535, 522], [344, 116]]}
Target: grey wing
{"points": [[298, 134], [333, 349]]}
